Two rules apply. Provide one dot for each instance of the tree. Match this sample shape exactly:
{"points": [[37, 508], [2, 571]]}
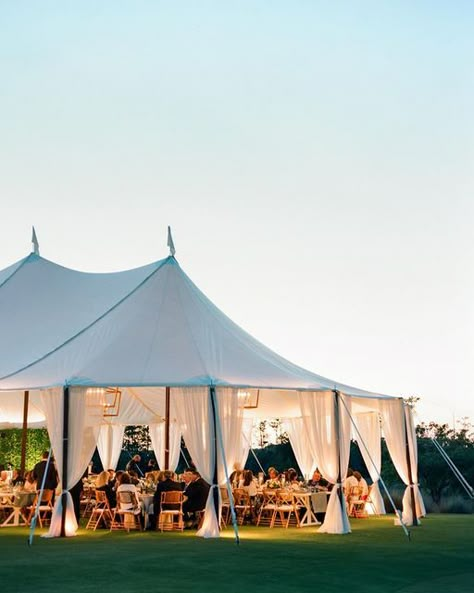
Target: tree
{"points": [[10, 446]]}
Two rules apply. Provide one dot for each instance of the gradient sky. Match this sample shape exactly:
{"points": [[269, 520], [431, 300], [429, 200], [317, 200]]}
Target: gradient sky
{"points": [[314, 159]]}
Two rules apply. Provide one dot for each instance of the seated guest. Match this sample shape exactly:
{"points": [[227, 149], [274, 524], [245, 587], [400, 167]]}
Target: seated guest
{"points": [[118, 476], [292, 479], [111, 473], [318, 482], [249, 483], [30, 482], [273, 477], [167, 484], [134, 479], [17, 478], [103, 483], [361, 482], [350, 482], [125, 485], [152, 465], [195, 494], [236, 475]]}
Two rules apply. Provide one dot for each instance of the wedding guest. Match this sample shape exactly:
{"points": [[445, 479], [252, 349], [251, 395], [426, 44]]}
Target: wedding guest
{"points": [[134, 465], [361, 482], [236, 475], [104, 484], [249, 483], [318, 482], [350, 482], [51, 479], [167, 484], [195, 495], [30, 482]]}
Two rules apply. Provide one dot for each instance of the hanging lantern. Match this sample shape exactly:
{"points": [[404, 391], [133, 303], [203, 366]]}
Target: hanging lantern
{"points": [[248, 398], [106, 399]]}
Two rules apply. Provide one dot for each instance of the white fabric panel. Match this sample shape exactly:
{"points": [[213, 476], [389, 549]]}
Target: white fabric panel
{"points": [[232, 427], [318, 412], [84, 424], [11, 410], [68, 299], [296, 429], [109, 444], [195, 417], [247, 428], [413, 447], [368, 425], [393, 416], [157, 435]]}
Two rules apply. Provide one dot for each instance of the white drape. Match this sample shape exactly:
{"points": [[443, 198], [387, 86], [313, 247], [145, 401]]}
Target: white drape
{"points": [[413, 445], [368, 425], [157, 436], [109, 444], [247, 428], [393, 417], [318, 412], [84, 421], [296, 429], [194, 412]]}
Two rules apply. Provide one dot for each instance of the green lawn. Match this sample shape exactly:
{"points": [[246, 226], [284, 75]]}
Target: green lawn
{"points": [[375, 557]]}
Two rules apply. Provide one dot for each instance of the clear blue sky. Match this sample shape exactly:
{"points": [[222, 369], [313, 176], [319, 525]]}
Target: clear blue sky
{"points": [[315, 160]]}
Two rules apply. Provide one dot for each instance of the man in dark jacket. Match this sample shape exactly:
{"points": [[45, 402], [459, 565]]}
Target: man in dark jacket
{"points": [[51, 480], [166, 485], [195, 494]]}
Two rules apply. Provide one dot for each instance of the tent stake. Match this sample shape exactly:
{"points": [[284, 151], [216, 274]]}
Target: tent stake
{"points": [[65, 455]]}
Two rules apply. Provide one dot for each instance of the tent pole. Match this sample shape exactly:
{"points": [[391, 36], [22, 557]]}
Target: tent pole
{"points": [[215, 482], [338, 444], [24, 433], [167, 428], [416, 523], [65, 456]]}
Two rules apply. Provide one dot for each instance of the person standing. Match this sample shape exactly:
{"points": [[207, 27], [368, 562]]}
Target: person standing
{"points": [[134, 465], [51, 480]]}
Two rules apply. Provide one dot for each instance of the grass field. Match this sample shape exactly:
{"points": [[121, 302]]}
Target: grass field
{"points": [[375, 557]]}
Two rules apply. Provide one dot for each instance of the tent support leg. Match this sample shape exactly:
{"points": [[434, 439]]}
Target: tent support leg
{"points": [[65, 456], [416, 523], [24, 433], [215, 481], [167, 428]]}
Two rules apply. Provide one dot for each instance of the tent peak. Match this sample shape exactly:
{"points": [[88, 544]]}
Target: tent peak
{"points": [[170, 242], [34, 241]]}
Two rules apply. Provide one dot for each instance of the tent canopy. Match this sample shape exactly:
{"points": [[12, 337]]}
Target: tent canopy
{"points": [[149, 326]]}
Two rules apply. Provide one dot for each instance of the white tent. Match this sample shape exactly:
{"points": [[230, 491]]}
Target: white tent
{"points": [[149, 330]]}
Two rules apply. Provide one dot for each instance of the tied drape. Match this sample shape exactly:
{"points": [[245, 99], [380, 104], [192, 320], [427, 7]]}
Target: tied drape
{"points": [[318, 410], [195, 416], [394, 417], [368, 426], [84, 421]]}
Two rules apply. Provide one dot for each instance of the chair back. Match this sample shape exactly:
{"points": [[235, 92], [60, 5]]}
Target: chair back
{"points": [[127, 498], [172, 497], [241, 496], [101, 497], [47, 497]]}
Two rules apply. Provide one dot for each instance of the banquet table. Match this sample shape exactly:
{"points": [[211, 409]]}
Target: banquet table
{"points": [[146, 501], [305, 500], [15, 502]]}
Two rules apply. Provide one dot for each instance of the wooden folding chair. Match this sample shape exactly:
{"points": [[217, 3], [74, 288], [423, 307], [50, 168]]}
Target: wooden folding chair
{"points": [[225, 506], [356, 503], [242, 505], [286, 507], [171, 515], [101, 513], [127, 513], [45, 508], [265, 513]]}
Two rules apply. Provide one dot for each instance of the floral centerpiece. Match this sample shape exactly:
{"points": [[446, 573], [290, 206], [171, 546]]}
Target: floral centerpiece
{"points": [[273, 484]]}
